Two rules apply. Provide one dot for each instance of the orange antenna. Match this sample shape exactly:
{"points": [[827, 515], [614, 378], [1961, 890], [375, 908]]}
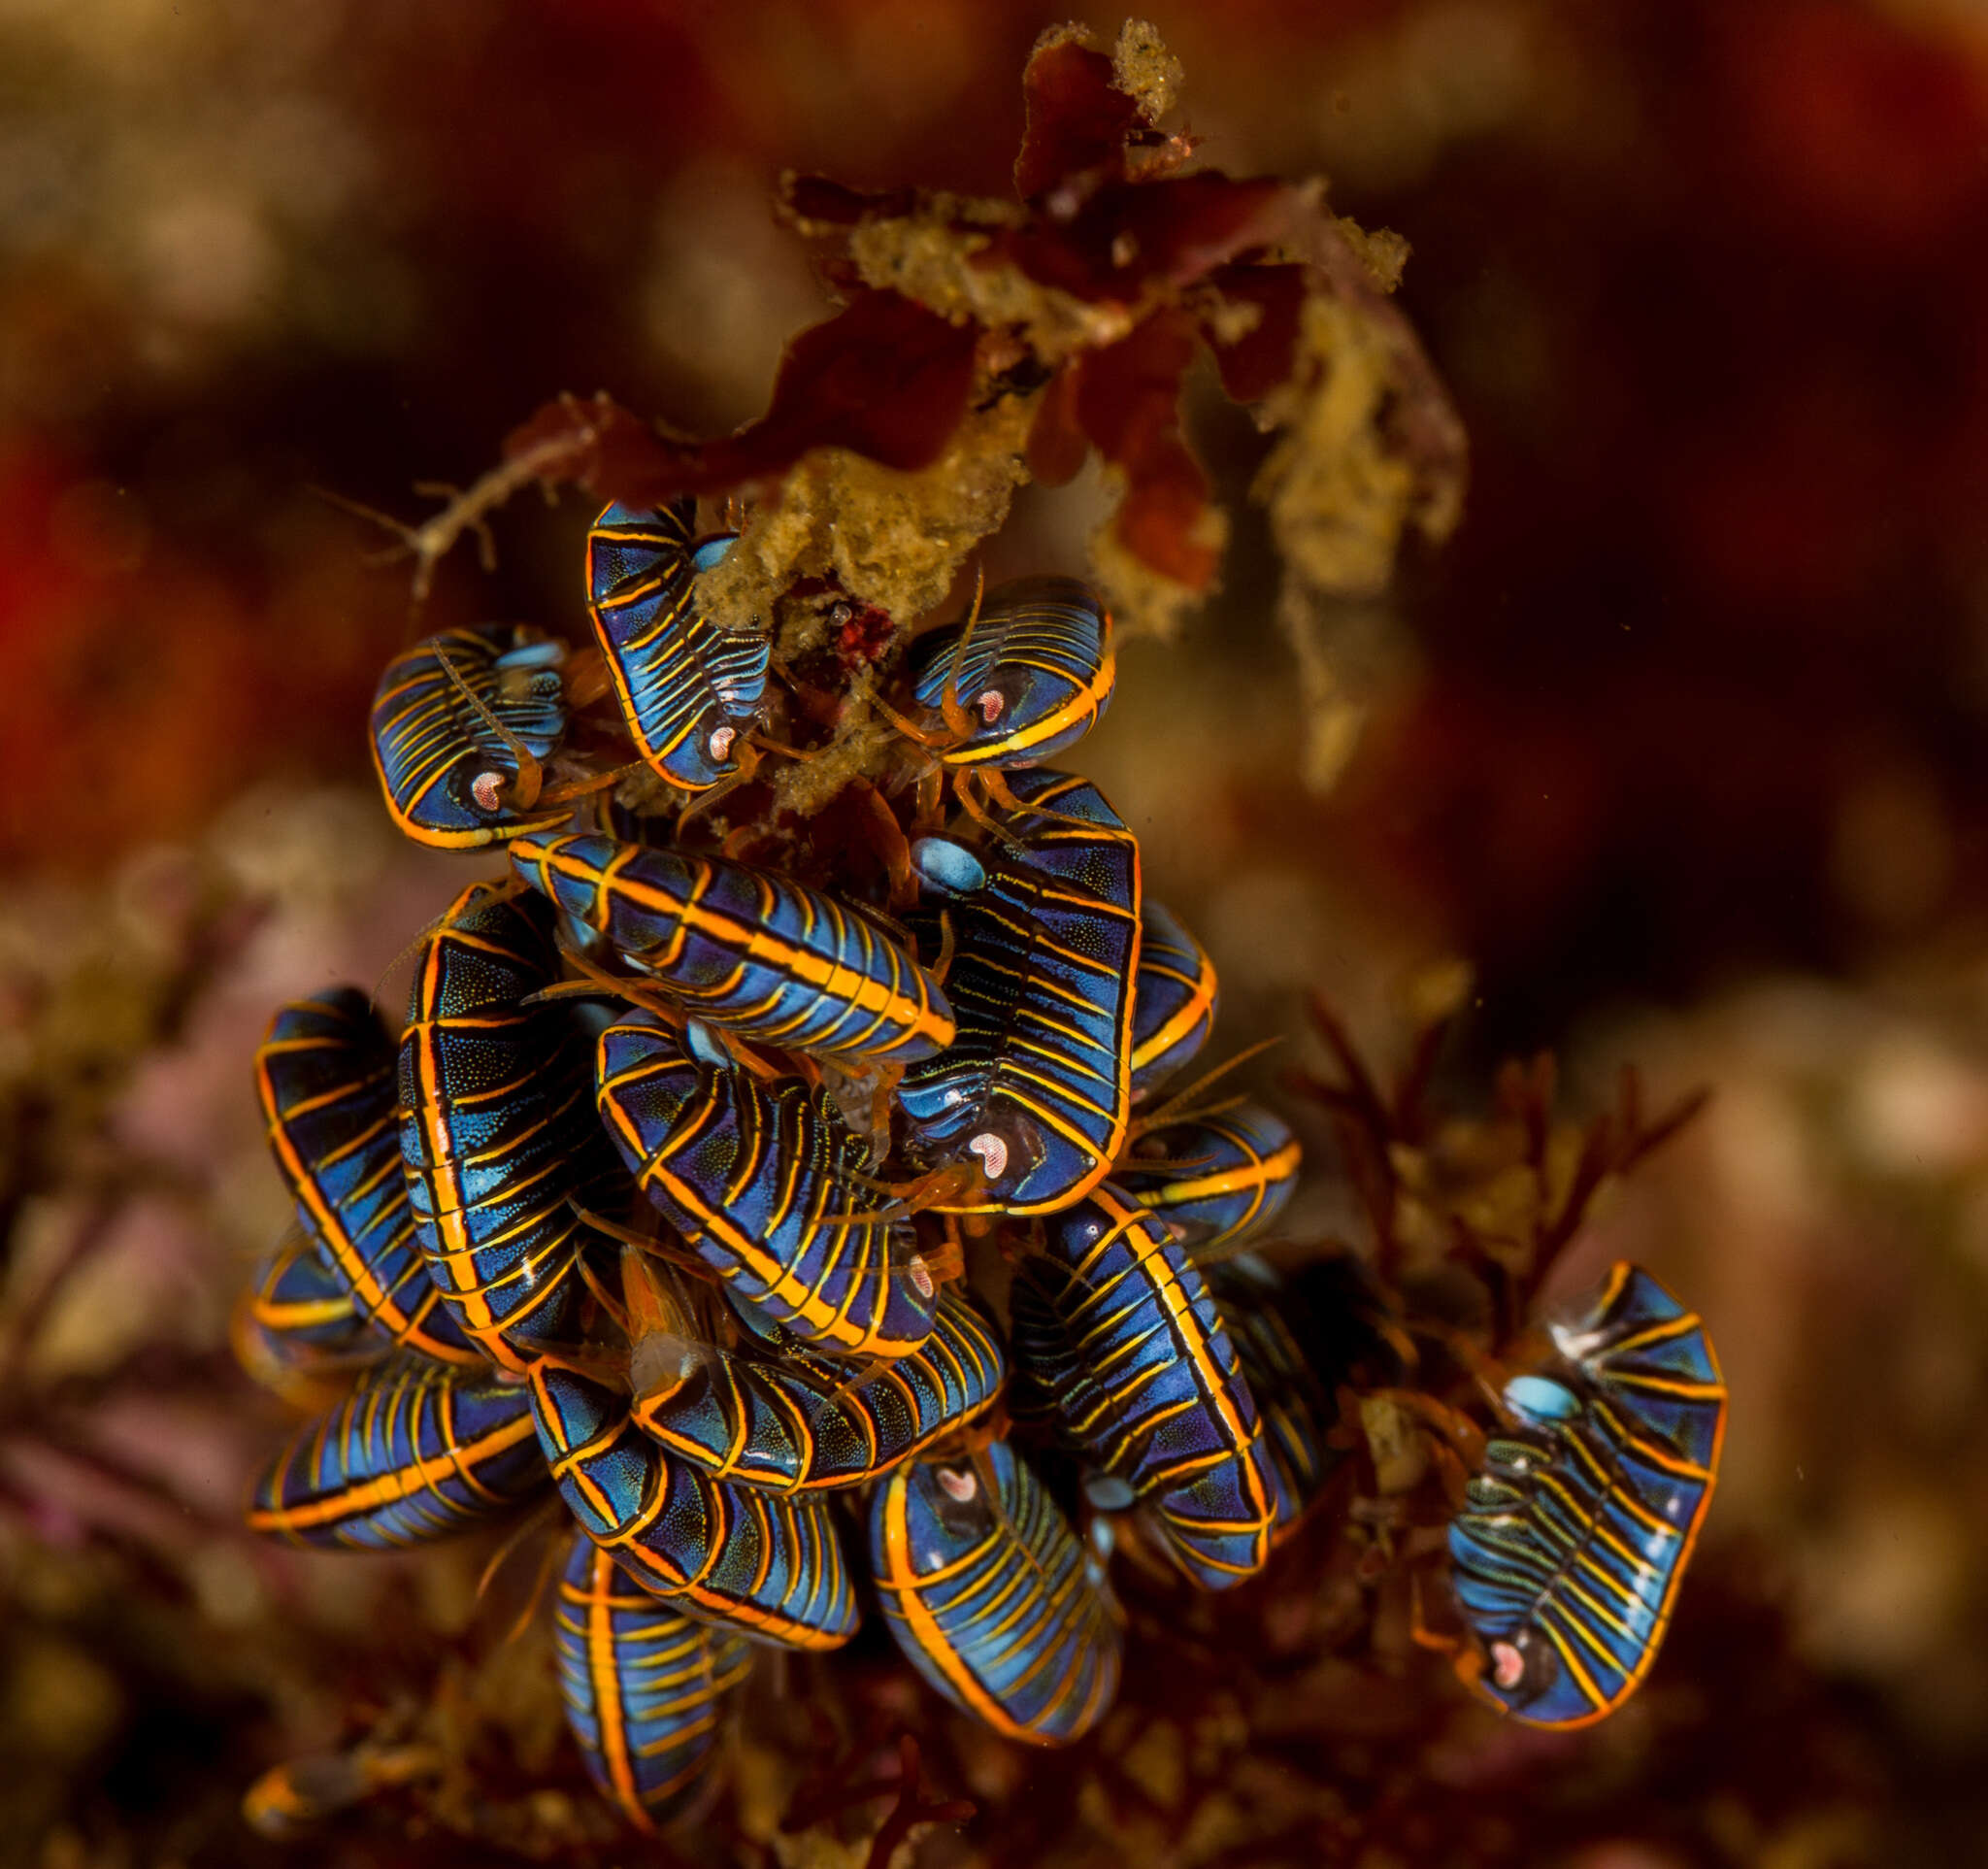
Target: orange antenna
{"points": [[958, 721]]}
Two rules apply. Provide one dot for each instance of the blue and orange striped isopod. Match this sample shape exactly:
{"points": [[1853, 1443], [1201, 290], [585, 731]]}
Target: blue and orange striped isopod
{"points": [[1116, 1332], [643, 1685], [1036, 1087], [417, 1450], [794, 1423], [325, 1078], [497, 1130], [1278, 1342], [1216, 1178], [770, 1567], [1573, 1541], [1173, 1000], [1019, 679], [688, 689], [461, 723], [992, 1599], [770, 1188], [746, 950], [300, 1314]]}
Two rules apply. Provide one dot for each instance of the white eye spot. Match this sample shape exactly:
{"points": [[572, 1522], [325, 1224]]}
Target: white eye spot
{"points": [[719, 746], [488, 790], [1508, 1665], [956, 1483], [992, 1152], [921, 1275], [990, 705]]}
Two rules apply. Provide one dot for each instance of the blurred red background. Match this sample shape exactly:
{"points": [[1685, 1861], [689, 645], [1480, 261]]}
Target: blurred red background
{"points": [[1691, 707]]}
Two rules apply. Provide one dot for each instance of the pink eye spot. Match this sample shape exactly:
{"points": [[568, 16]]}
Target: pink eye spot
{"points": [[720, 742], [921, 1275], [958, 1484], [1508, 1665], [992, 1152], [990, 705], [488, 790]]}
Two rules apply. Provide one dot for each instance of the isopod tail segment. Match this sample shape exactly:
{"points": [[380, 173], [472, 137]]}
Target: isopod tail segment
{"points": [[325, 1078], [746, 950], [1173, 1002], [295, 1332], [461, 726], [1300, 1338], [766, 1566], [1217, 1179], [992, 1597], [780, 1419], [417, 1451], [765, 1183], [1117, 1342], [1574, 1540], [497, 1135], [645, 1685], [691, 693], [1036, 1087]]}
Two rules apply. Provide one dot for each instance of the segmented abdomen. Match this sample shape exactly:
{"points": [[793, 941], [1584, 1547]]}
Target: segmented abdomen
{"points": [[303, 1310], [798, 1424], [1217, 1179], [688, 689], [770, 1567], [1037, 1084], [497, 1131], [643, 1685], [1116, 1330], [417, 1450], [1174, 999], [767, 1184], [746, 950], [1573, 1541], [1001, 1610], [444, 772], [325, 1078]]}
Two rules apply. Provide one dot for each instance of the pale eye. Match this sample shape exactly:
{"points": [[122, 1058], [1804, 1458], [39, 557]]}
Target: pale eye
{"points": [[921, 1275], [992, 1152], [719, 746], [990, 705], [958, 1482], [488, 790]]}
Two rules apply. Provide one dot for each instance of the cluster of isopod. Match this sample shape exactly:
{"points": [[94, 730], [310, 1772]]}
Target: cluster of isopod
{"points": [[719, 1194]]}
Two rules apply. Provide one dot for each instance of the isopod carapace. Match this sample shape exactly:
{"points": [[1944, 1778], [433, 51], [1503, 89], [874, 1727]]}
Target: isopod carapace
{"points": [[797, 1422], [767, 1566], [1216, 1178], [461, 723], [325, 1078], [992, 1597], [770, 1188], [645, 1685], [747, 949], [1045, 925], [1117, 1337], [1573, 1541], [497, 1130], [690, 690], [1173, 1000], [1020, 679], [417, 1450]]}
